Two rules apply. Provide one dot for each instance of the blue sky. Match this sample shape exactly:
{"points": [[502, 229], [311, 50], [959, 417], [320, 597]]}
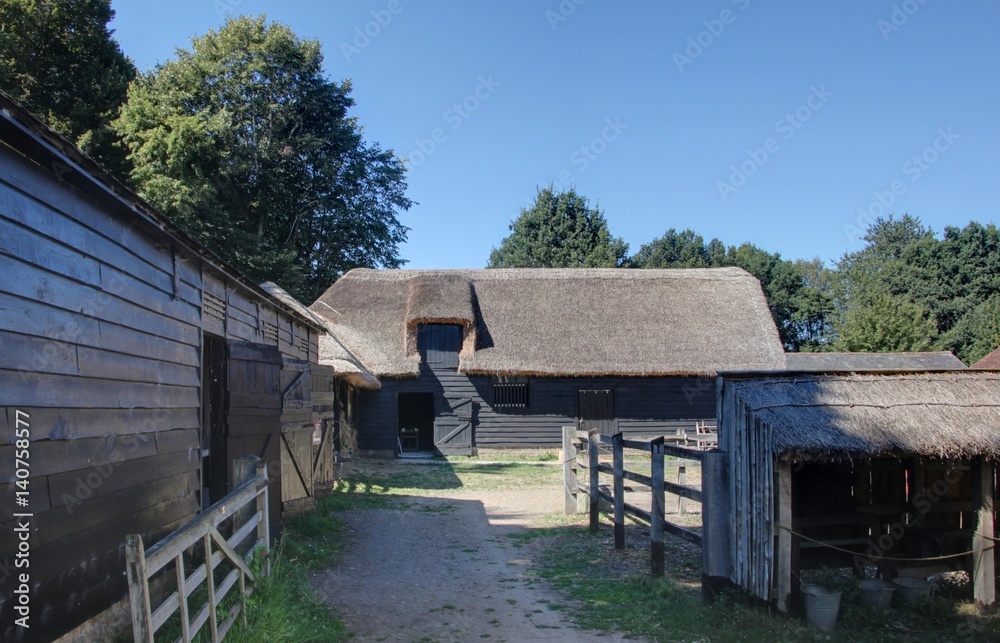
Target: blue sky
{"points": [[785, 124]]}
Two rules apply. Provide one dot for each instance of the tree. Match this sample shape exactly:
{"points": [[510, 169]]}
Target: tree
{"points": [[559, 231], [58, 58], [886, 324], [674, 250], [247, 146]]}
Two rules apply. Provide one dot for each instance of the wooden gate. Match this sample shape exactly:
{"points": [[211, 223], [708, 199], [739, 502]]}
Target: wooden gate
{"points": [[596, 410], [324, 423], [453, 431], [253, 416]]}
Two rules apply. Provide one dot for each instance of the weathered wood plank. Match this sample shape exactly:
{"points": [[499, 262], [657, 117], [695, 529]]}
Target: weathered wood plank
{"points": [[66, 424], [26, 353], [783, 570], [93, 482], [102, 364], [145, 296], [34, 248], [28, 389], [51, 456]]}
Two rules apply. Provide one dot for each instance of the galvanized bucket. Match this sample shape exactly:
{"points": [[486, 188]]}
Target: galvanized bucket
{"points": [[822, 606], [912, 590], [876, 593]]}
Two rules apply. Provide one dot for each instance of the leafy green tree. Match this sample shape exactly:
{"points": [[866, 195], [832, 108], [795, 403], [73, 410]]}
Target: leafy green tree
{"points": [[674, 250], [559, 231], [58, 58], [885, 324], [244, 142], [977, 333]]}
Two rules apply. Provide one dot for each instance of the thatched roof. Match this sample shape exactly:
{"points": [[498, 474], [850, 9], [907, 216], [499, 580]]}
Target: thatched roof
{"points": [[872, 362], [991, 361], [331, 352], [946, 414], [570, 322]]}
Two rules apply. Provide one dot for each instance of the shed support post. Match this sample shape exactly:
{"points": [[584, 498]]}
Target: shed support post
{"points": [[244, 468], [983, 556], [593, 462], [716, 561], [657, 527], [619, 493], [783, 569], [569, 460]]}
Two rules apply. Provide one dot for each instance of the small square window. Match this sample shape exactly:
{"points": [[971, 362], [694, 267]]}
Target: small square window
{"points": [[510, 392]]}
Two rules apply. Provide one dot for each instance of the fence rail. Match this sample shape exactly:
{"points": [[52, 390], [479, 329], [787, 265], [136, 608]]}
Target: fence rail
{"points": [[575, 441], [250, 475]]}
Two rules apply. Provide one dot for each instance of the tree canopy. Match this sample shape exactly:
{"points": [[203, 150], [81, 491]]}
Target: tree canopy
{"points": [[58, 58], [244, 143], [559, 231]]}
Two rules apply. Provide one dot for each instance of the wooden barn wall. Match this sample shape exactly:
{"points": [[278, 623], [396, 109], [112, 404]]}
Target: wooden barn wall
{"points": [[643, 405], [100, 347]]}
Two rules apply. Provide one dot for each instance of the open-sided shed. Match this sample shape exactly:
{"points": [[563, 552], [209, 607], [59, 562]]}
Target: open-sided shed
{"points": [[859, 470]]}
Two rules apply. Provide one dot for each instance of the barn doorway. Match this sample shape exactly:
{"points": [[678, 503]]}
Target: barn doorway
{"points": [[596, 410], [213, 420], [415, 425]]}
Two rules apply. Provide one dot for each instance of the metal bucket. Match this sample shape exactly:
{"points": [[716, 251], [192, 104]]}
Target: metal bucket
{"points": [[876, 593], [822, 606], [912, 590]]}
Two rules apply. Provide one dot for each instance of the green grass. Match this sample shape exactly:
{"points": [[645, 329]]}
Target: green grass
{"points": [[665, 609]]}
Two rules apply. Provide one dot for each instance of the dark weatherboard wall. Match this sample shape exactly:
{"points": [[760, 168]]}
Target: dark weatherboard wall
{"points": [[104, 315], [642, 406]]}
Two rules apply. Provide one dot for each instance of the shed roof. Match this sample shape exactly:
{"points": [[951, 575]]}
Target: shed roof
{"points": [[571, 322], [872, 362], [331, 352], [944, 414], [991, 361]]}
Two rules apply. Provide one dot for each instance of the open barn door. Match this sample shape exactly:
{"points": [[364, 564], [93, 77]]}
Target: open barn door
{"points": [[453, 429]]}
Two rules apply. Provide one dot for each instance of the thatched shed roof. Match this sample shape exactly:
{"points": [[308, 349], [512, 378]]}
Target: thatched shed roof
{"points": [[946, 414], [872, 362], [991, 361], [569, 322], [331, 352]]}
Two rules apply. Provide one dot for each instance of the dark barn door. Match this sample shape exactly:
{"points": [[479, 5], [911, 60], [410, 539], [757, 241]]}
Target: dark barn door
{"points": [[596, 410], [254, 417], [453, 429]]}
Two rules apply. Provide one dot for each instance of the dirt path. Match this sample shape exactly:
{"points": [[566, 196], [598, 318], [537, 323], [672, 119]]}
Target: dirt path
{"points": [[449, 568]]}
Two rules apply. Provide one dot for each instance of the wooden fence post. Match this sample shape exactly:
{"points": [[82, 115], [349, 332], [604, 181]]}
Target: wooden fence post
{"points": [[681, 480], [656, 522], [715, 556], [618, 448], [593, 457], [569, 469], [244, 468], [138, 589], [264, 526]]}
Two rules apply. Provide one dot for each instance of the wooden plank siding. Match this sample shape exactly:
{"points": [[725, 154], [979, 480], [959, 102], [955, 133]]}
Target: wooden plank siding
{"points": [[644, 406], [102, 317]]}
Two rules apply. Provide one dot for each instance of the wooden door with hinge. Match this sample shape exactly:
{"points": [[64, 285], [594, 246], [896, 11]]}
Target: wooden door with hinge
{"points": [[453, 430], [253, 418]]}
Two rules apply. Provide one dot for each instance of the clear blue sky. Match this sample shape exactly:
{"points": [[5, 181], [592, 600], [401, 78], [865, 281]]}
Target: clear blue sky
{"points": [[646, 107]]}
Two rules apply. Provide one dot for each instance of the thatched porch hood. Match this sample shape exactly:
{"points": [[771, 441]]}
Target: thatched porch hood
{"points": [[940, 415], [559, 322]]}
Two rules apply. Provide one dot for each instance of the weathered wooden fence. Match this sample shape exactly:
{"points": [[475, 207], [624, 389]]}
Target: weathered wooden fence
{"points": [[575, 442], [246, 509]]}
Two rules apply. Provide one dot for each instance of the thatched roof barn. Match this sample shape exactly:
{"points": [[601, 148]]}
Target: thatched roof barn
{"points": [[894, 468], [553, 322], [991, 361], [872, 362]]}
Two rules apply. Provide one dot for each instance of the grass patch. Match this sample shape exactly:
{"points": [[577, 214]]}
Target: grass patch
{"points": [[666, 609]]}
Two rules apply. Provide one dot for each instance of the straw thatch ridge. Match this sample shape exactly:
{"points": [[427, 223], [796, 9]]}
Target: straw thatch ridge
{"points": [[559, 322], [945, 415], [331, 352], [872, 362], [990, 362]]}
